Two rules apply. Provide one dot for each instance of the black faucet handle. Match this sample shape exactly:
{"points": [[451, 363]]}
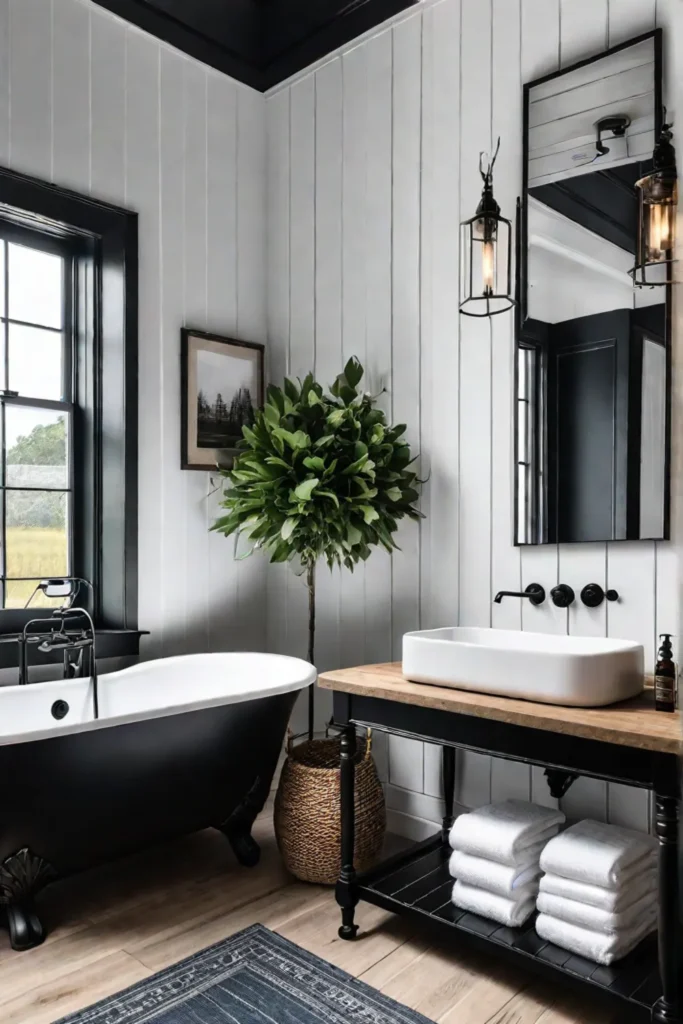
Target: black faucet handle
{"points": [[562, 595], [593, 595]]}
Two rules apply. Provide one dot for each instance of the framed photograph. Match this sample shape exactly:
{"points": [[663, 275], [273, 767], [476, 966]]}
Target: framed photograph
{"points": [[221, 386]]}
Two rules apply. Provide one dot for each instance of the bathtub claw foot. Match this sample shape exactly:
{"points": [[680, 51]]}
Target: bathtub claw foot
{"points": [[22, 875], [245, 848], [25, 927]]}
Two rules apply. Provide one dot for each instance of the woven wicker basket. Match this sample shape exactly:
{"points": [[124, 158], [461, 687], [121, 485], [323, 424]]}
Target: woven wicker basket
{"points": [[307, 819]]}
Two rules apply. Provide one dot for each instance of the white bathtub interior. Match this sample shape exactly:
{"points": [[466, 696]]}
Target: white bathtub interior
{"points": [[146, 690]]}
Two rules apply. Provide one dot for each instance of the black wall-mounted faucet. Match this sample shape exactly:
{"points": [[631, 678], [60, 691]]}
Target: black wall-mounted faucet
{"points": [[535, 592]]}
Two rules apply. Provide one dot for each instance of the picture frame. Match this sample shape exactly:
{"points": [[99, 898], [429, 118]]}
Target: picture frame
{"points": [[221, 383]]}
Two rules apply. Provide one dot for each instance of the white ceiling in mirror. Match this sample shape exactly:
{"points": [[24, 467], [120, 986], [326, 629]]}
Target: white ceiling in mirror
{"points": [[564, 111]]}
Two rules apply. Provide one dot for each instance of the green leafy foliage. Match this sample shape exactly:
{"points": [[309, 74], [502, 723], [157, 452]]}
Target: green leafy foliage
{"points": [[320, 475]]}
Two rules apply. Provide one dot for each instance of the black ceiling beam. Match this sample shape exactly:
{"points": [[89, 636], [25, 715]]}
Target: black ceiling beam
{"points": [[315, 41], [320, 28], [192, 42]]}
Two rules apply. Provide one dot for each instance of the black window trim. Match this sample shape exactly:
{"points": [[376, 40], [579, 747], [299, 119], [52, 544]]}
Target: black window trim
{"points": [[106, 291]]}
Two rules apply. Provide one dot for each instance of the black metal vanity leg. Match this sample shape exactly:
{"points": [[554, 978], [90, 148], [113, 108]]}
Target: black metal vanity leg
{"points": [[448, 777], [669, 1009], [346, 886]]}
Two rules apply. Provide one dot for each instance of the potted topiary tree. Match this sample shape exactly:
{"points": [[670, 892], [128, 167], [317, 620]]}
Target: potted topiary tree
{"points": [[321, 476]]}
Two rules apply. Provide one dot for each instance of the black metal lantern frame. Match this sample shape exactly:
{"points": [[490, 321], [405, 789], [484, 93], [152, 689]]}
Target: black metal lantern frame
{"points": [[486, 254], [657, 209]]}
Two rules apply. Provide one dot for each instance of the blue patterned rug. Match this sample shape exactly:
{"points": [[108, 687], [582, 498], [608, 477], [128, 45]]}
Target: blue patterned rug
{"points": [[254, 977]]}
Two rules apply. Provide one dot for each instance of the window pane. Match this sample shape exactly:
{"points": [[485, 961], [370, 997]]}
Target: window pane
{"points": [[36, 442], [36, 540], [35, 362], [17, 593], [35, 286]]}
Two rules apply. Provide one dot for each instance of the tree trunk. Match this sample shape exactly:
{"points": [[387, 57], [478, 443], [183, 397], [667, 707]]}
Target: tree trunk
{"points": [[310, 583]]}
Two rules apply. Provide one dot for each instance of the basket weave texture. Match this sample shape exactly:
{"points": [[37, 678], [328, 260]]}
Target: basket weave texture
{"points": [[307, 818]]}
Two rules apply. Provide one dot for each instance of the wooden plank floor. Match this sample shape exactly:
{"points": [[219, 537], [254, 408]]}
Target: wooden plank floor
{"points": [[119, 924]]}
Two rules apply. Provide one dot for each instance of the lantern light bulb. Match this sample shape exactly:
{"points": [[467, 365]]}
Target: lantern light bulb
{"points": [[487, 264]]}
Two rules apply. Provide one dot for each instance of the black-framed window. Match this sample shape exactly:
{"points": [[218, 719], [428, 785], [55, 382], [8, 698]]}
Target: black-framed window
{"points": [[68, 404], [37, 423]]}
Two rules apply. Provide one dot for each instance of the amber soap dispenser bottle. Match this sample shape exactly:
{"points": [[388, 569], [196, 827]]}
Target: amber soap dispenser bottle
{"points": [[665, 676]]}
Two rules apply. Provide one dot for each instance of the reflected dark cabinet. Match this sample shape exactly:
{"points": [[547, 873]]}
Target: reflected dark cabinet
{"points": [[604, 379]]}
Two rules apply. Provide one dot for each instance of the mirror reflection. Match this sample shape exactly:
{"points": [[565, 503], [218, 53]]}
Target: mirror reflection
{"points": [[592, 353]]}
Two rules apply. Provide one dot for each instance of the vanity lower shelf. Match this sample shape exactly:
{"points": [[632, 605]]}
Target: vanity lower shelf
{"points": [[417, 883]]}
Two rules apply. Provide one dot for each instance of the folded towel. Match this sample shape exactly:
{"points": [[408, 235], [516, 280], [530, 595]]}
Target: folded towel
{"points": [[603, 949], [499, 878], [598, 854], [503, 831], [634, 885], [597, 920], [512, 913]]}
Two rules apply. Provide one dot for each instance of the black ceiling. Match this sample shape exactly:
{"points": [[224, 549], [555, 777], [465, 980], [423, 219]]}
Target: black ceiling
{"points": [[259, 42]]}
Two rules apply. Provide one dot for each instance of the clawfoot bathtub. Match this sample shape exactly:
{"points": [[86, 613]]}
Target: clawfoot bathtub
{"points": [[180, 744]]}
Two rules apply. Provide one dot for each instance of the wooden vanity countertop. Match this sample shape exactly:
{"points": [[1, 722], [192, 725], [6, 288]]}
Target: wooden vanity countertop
{"points": [[631, 723]]}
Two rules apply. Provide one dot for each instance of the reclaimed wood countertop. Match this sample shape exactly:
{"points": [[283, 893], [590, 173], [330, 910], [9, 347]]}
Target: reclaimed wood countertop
{"points": [[631, 723]]}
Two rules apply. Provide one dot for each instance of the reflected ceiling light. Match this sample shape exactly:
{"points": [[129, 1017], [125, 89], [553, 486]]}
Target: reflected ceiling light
{"points": [[486, 254], [616, 124], [657, 202]]}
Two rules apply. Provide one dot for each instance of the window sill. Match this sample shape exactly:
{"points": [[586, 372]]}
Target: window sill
{"points": [[109, 643]]}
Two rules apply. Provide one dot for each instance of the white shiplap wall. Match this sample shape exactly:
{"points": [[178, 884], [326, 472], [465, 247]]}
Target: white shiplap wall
{"points": [[93, 104], [372, 161]]}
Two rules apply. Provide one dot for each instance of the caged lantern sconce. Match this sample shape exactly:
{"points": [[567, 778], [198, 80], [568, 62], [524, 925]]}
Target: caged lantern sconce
{"points": [[657, 206], [486, 254]]}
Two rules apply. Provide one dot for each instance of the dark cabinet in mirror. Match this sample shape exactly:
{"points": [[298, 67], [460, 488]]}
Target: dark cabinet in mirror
{"points": [[593, 351]]}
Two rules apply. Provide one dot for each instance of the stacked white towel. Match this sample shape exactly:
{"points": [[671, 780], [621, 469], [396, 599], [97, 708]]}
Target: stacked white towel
{"points": [[597, 897], [495, 859]]}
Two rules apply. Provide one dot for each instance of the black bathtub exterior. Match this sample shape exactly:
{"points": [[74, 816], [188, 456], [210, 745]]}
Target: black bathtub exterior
{"points": [[71, 802]]}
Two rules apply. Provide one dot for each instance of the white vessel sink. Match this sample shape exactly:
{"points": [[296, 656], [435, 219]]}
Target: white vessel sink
{"points": [[573, 670]]}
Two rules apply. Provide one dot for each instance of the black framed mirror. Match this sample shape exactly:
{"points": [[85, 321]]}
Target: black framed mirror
{"points": [[593, 354]]}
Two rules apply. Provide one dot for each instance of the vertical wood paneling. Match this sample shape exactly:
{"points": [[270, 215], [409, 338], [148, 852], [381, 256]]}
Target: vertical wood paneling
{"points": [[475, 335], [540, 38], [583, 29], [4, 80], [108, 103], [142, 194], [506, 565], [71, 95], [251, 313], [631, 572], [629, 18], [302, 251], [405, 380], [376, 301], [173, 256], [440, 327], [225, 576], [302, 297], [30, 68], [328, 337], [195, 301], [353, 312], [475, 414], [278, 248]]}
